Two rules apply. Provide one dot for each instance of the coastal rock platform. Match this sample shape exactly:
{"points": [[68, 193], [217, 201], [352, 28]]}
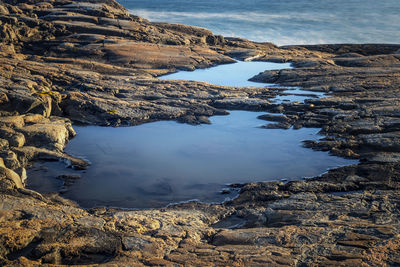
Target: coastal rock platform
{"points": [[91, 62]]}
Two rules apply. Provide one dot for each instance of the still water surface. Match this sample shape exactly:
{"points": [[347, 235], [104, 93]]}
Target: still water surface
{"points": [[237, 74], [154, 164]]}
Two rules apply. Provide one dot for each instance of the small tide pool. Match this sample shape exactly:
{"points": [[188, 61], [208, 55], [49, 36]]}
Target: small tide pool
{"points": [[154, 164], [239, 73], [236, 74], [158, 163]]}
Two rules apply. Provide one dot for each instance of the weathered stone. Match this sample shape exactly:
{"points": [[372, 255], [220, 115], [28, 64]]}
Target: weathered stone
{"points": [[30, 153], [135, 243], [280, 125], [10, 160], [4, 145], [68, 179], [385, 157], [12, 121], [245, 54], [90, 221], [34, 118], [3, 10], [53, 134], [242, 103], [22, 174], [95, 63], [13, 176], [271, 117], [384, 141], [42, 105]]}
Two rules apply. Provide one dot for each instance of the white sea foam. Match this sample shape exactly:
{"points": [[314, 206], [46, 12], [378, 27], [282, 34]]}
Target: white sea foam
{"points": [[246, 17], [289, 27], [273, 34]]}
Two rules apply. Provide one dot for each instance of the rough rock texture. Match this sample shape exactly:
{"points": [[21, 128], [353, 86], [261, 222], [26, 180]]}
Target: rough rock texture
{"points": [[92, 62]]}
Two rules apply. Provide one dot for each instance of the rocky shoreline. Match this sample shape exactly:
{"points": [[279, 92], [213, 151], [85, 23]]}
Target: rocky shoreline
{"points": [[92, 62]]}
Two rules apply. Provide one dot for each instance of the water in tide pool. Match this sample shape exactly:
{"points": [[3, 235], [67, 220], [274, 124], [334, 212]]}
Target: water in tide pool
{"points": [[282, 21], [155, 164], [237, 74]]}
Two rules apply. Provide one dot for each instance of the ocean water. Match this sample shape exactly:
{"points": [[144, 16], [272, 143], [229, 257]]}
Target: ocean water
{"points": [[282, 22]]}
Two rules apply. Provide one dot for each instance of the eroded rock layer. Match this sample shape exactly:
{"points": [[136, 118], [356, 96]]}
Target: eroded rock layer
{"points": [[92, 62]]}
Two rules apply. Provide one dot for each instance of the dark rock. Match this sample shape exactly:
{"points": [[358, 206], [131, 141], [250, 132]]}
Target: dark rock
{"points": [[69, 179]]}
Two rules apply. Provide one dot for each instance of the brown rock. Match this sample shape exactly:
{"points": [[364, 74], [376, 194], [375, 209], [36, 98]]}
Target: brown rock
{"points": [[13, 176], [12, 121], [53, 134]]}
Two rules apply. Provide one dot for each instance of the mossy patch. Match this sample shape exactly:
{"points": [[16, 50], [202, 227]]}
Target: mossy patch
{"points": [[49, 93], [112, 111]]}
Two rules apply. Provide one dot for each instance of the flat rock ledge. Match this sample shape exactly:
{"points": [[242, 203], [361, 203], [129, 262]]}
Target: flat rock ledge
{"points": [[92, 62]]}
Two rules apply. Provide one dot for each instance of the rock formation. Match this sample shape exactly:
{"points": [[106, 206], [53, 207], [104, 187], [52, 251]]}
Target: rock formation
{"points": [[92, 62]]}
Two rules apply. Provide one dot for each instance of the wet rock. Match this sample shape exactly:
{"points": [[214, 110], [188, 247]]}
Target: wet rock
{"points": [[241, 103], [280, 125], [30, 153], [194, 120], [68, 179], [271, 117]]}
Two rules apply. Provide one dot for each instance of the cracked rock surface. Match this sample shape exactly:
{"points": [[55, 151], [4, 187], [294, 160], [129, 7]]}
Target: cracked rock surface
{"points": [[92, 62]]}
